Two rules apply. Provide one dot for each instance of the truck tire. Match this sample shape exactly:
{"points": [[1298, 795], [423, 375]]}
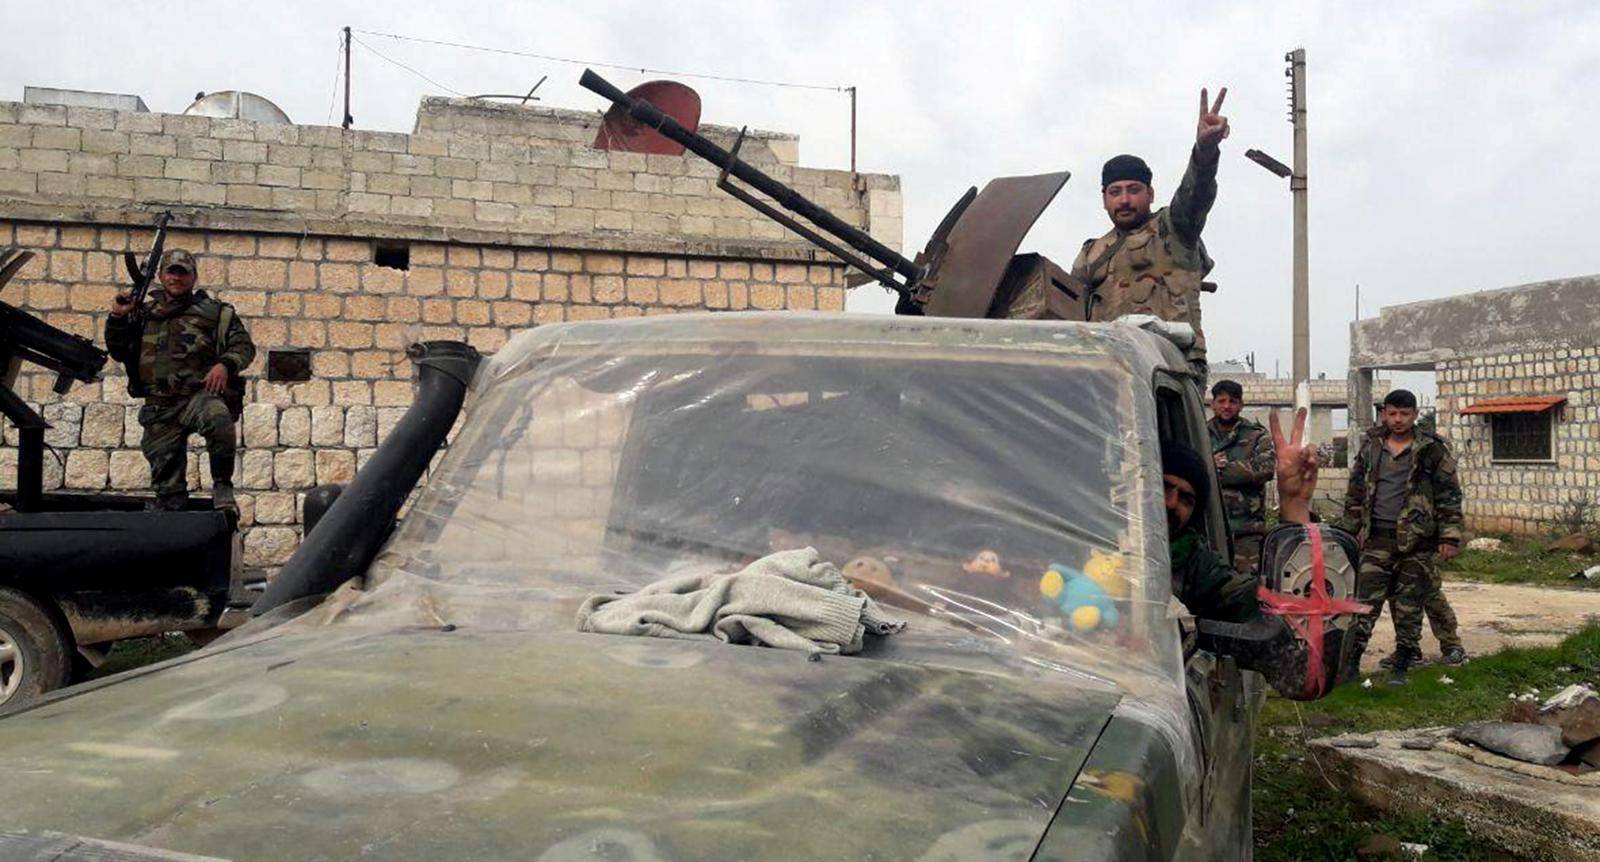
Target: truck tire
{"points": [[35, 656]]}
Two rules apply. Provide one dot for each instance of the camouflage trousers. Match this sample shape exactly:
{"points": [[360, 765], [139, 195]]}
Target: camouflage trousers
{"points": [[1410, 584], [167, 425], [1247, 553]]}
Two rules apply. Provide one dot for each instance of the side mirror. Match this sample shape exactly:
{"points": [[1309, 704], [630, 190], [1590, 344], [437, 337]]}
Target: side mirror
{"points": [[1305, 642]]}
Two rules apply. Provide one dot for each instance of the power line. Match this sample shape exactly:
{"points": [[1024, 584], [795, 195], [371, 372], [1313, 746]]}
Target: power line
{"points": [[603, 65], [334, 96], [386, 58]]}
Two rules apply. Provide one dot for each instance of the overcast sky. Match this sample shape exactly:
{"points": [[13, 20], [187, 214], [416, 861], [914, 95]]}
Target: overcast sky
{"points": [[1452, 145]]}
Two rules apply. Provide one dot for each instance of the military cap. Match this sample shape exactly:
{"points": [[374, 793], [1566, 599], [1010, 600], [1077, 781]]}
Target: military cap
{"points": [[1124, 167], [178, 257]]}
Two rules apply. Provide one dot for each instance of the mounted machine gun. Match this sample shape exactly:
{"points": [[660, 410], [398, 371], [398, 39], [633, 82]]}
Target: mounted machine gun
{"points": [[969, 267]]}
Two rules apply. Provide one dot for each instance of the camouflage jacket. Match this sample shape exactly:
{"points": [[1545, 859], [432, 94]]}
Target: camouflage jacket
{"points": [[1207, 585], [1252, 463], [1159, 265], [178, 344], [1431, 514]]}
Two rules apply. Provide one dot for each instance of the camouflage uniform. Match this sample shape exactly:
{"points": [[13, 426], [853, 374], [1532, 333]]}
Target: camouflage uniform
{"points": [[1202, 580], [174, 352], [1399, 568], [1159, 265], [1252, 463]]}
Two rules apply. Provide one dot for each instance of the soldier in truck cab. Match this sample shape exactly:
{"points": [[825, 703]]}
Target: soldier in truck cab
{"points": [[188, 349], [1201, 578], [1153, 263]]}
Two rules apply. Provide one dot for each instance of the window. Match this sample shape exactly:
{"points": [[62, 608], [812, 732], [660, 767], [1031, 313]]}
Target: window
{"points": [[394, 255], [1522, 436], [289, 365]]}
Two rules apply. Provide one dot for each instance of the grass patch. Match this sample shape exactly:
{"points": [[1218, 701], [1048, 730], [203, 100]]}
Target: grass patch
{"points": [[1523, 561], [134, 652], [1298, 816]]}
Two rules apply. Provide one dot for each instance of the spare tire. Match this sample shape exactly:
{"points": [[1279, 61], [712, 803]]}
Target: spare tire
{"points": [[35, 655]]}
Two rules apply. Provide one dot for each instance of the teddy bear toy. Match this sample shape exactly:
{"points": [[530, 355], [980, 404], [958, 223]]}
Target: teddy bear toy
{"points": [[1087, 598]]}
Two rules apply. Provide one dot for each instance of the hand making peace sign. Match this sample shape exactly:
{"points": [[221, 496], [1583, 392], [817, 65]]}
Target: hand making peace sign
{"points": [[1213, 126], [1296, 462]]}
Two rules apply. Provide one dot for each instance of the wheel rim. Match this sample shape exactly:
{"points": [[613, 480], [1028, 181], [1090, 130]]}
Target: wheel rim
{"points": [[12, 669]]}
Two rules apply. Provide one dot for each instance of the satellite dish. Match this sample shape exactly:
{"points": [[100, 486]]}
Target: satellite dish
{"points": [[623, 133], [238, 105]]}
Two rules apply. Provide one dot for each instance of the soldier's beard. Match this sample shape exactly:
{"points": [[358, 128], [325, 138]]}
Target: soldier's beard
{"points": [[1174, 524]]}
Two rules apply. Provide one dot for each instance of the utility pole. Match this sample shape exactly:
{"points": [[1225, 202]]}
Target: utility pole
{"points": [[852, 130], [1297, 186], [348, 120]]}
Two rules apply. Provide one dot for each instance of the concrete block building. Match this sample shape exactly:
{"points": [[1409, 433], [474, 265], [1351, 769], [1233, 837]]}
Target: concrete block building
{"points": [[339, 247], [1518, 373]]}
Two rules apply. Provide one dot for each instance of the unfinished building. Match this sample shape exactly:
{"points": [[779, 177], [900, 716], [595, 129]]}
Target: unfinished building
{"points": [[337, 247], [1517, 372]]}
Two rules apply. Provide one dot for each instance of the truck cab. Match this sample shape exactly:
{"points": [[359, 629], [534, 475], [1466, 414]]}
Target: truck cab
{"points": [[442, 685]]}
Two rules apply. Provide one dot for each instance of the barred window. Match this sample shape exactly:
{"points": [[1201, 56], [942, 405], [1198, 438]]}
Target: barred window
{"points": [[1522, 436]]}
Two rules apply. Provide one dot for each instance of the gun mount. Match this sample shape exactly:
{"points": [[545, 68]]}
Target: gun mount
{"points": [[25, 338], [969, 266]]}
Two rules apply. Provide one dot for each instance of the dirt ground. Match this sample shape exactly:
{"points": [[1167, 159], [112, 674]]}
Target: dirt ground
{"points": [[1493, 616]]}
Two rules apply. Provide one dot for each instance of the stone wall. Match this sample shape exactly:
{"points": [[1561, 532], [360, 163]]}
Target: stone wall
{"points": [[1524, 498], [1533, 339], [504, 225]]}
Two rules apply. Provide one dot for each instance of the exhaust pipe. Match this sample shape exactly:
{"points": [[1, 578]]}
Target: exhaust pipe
{"points": [[348, 536]]}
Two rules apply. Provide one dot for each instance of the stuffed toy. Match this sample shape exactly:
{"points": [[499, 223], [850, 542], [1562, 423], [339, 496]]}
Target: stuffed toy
{"points": [[986, 563], [1087, 598], [871, 575]]}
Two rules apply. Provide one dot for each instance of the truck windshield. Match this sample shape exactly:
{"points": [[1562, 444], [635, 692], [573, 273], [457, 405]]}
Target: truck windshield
{"points": [[952, 482]]}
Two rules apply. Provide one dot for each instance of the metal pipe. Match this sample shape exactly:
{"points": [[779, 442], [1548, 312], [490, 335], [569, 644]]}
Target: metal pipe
{"points": [[30, 469], [852, 130], [349, 535], [786, 197]]}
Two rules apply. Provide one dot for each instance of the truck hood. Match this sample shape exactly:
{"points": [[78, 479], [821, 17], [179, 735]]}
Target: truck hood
{"points": [[442, 743]]}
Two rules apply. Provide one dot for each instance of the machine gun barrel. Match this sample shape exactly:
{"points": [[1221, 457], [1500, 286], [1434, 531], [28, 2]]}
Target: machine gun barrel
{"points": [[652, 116]]}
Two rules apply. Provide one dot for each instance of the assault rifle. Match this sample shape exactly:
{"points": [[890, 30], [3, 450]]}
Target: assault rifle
{"points": [[143, 276]]}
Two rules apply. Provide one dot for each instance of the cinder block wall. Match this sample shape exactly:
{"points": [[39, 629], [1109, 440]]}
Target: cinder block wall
{"points": [[509, 218], [1524, 498]]}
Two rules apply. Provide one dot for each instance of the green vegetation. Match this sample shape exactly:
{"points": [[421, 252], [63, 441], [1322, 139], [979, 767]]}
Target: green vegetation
{"points": [[129, 654], [1522, 561], [1300, 816]]}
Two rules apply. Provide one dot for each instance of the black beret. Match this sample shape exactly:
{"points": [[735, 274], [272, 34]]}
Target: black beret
{"points": [[1177, 459], [1124, 167]]}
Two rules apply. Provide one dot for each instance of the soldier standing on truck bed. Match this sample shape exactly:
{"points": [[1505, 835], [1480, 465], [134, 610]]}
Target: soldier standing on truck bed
{"points": [[1153, 263], [1243, 454], [189, 350], [1404, 503]]}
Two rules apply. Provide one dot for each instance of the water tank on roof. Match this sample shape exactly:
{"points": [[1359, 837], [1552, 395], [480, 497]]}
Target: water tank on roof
{"points": [[237, 104]]}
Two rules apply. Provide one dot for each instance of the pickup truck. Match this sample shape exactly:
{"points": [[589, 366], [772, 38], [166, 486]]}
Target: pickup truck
{"points": [[79, 572]]}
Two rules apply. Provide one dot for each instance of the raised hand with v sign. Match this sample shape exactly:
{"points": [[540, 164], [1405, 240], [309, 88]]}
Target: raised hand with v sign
{"points": [[1213, 126], [1296, 469]]}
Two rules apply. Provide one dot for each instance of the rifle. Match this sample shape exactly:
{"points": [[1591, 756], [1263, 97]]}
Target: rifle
{"points": [[143, 277]]}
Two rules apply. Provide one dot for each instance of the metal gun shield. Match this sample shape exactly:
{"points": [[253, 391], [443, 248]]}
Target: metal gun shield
{"points": [[980, 246]]}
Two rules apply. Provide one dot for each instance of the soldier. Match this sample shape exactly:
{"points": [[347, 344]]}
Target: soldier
{"points": [[1404, 503], [187, 348], [1242, 452], [1154, 263], [1202, 580]]}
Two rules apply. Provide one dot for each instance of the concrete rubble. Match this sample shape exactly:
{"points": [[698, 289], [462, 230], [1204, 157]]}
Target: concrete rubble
{"points": [[1541, 812]]}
